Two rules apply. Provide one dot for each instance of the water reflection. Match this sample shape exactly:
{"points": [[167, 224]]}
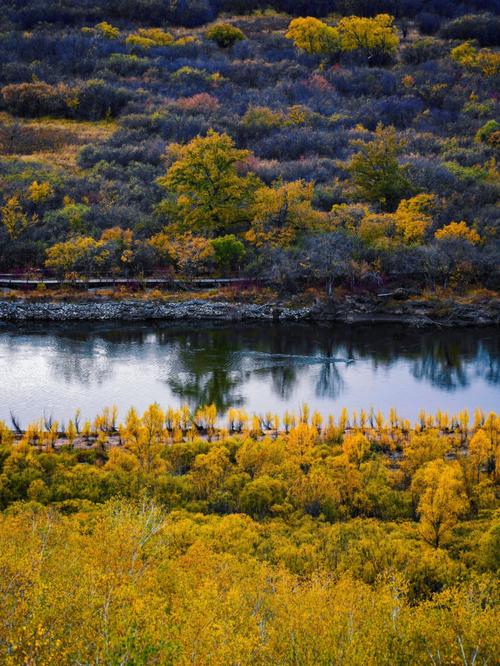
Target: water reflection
{"points": [[243, 364]]}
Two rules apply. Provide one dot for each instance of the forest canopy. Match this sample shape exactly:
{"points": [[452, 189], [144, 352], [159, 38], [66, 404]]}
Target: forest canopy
{"points": [[182, 536]]}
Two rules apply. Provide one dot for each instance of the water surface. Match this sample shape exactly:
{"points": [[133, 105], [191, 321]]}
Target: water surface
{"points": [[53, 369]]}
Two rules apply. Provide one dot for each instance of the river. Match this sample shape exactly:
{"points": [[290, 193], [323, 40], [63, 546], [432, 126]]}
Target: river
{"points": [[50, 370]]}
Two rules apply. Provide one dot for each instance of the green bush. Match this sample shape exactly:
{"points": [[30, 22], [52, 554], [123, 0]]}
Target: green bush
{"points": [[224, 35]]}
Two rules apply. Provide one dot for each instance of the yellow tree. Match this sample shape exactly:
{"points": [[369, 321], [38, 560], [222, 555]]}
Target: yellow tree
{"points": [[421, 448], [408, 224], [209, 470], [206, 192], [188, 252], [15, 219], [356, 447], [413, 218], [377, 37], [281, 212], [145, 438], [313, 36], [81, 253], [442, 500], [40, 192], [484, 447]]}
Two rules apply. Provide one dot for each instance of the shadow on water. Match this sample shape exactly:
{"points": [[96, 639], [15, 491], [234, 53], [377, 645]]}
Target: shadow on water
{"points": [[203, 363]]}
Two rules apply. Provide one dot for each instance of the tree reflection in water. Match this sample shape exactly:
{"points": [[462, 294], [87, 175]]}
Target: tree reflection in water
{"points": [[205, 363]]}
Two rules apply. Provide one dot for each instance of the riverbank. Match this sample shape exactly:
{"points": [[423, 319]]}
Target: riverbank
{"points": [[351, 310]]}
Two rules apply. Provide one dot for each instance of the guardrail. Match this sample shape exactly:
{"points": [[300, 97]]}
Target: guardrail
{"points": [[32, 282]]}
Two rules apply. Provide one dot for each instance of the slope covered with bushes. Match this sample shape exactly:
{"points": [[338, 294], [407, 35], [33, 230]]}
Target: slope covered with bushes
{"points": [[356, 147]]}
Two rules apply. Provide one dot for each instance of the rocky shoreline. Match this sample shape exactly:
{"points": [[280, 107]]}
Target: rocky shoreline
{"points": [[349, 310]]}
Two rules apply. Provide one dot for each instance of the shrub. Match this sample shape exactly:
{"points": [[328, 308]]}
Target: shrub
{"points": [[458, 230], [484, 133], [422, 50], [107, 30], [150, 37], [483, 28], [200, 103], [97, 99], [38, 99], [224, 35], [126, 64], [228, 251]]}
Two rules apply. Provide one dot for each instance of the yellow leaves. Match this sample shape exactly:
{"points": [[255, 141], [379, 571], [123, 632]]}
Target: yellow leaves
{"points": [[158, 36], [146, 38], [124, 236], [149, 37], [224, 34], [145, 438], [297, 115], [127, 257], [189, 253], [40, 192], [125, 582], [412, 218], [107, 30], [83, 253], [209, 470], [408, 224], [485, 60], [442, 499], [458, 231], [356, 447], [464, 54], [67, 255], [6, 434], [205, 191], [480, 447], [372, 35], [376, 229], [484, 447], [422, 448], [313, 36], [263, 117], [369, 34], [281, 212], [15, 219]]}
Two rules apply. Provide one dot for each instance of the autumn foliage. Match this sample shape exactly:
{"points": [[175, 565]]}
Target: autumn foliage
{"points": [[184, 537]]}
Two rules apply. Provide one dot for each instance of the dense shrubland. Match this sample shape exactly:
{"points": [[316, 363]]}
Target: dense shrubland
{"points": [[250, 539], [361, 140]]}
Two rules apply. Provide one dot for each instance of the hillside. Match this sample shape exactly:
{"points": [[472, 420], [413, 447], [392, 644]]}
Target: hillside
{"points": [[352, 151]]}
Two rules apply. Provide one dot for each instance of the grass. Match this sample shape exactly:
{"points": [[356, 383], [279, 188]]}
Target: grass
{"points": [[55, 141]]}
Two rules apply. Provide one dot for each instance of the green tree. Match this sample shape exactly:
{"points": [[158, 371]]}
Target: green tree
{"points": [[375, 170], [228, 251]]}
